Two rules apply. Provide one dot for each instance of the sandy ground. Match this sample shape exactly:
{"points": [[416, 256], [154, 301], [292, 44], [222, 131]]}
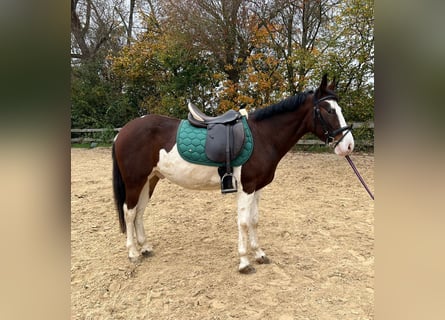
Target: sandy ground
{"points": [[316, 226]]}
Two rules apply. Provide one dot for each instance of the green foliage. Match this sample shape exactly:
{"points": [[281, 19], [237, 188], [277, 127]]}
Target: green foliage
{"points": [[358, 105], [97, 99], [162, 72], [173, 61]]}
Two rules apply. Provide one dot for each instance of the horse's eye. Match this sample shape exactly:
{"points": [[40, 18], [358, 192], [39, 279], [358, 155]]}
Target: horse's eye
{"points": [[331, 111]]}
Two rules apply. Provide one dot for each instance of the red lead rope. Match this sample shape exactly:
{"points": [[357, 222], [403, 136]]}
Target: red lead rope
{"points": [[359, 176]]}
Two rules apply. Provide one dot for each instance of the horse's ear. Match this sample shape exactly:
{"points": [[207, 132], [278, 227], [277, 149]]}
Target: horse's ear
{"points": [[324, 82], [333, 85]]}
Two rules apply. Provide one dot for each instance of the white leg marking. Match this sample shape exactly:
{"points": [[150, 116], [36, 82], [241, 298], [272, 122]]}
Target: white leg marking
{"points": [[130, 215], [146, 249], [244, 208], [260, 256]]}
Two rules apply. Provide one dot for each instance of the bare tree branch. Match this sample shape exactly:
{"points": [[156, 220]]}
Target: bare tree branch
{"points": [[78, 31]]}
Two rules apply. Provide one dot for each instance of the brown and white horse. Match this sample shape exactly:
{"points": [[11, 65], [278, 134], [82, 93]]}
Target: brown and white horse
{"points": [[145, 151]]}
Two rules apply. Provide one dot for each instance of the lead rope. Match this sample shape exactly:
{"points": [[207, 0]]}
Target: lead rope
{"points": [[359, 176]]}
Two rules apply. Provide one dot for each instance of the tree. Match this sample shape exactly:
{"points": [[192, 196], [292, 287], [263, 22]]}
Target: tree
{"points": [[162, 70], [293, 28], [262, 81], [350, 56], [97, 96], [93, 28], [219, 29], [136, 57]]}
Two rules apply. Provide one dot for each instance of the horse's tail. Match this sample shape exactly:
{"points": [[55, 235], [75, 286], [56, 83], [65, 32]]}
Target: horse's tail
{"points": [[119, 191]]}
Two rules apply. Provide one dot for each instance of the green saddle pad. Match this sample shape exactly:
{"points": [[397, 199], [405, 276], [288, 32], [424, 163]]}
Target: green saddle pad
{"points": [[191, 141]]}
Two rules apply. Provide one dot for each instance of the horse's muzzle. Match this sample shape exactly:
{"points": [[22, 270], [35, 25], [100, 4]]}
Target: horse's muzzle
{"points": [[345, 145]]}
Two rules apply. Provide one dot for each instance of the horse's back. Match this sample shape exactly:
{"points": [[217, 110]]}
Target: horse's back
{"points": [[152, 130], [138, 143]]}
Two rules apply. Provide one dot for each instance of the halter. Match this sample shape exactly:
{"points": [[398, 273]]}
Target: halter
{"points": [[330, 135]]}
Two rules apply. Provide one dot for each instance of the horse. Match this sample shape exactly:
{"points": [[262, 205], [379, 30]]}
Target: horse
{"points": [[145, 150]]}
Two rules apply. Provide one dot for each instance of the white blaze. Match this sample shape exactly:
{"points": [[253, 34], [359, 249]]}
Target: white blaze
{"points": [[346, 145]]}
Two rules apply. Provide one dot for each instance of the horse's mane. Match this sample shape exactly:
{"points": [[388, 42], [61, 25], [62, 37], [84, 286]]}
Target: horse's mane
{"points": [[287, 105]]}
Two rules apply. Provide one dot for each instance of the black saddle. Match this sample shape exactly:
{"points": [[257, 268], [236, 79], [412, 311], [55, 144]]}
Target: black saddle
{"points": [[199, 119], [224, 142]]}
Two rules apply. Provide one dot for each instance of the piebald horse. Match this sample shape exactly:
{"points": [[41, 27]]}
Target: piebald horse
{"points": [[145, 151]]}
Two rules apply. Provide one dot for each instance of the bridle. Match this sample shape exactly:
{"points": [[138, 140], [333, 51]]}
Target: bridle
{"points": [[329, 134]]}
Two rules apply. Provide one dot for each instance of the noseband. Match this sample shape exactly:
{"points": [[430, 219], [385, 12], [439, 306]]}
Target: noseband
{"points": [[330, 135]]}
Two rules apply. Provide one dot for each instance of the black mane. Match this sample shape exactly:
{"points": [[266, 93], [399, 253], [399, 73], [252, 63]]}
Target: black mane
{"points": [[286, 105]]}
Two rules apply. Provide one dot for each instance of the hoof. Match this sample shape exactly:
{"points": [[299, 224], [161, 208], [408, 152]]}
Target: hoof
{"points": [[147, 253], [136, 259], [247, 270], [263, 260]]}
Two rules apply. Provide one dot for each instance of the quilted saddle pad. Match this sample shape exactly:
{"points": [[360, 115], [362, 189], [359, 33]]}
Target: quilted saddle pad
{"points": [[191, 141]]}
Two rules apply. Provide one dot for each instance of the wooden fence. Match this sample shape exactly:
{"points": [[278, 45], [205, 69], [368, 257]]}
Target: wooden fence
{"points": [[84, 135]]}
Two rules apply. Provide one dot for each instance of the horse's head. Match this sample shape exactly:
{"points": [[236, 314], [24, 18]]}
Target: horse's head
{"points": [[329, 123]]}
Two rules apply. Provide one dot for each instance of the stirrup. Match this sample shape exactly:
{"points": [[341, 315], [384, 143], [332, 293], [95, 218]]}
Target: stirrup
{"points": [[227, 183]]}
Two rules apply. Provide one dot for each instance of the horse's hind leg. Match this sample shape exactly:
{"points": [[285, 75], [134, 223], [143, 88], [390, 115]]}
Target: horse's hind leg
{"points": [[147, 191], [130, 216], [134, 206]]}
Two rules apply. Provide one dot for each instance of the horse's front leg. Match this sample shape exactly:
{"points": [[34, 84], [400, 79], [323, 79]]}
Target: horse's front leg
{"points": [[245, 203], [260, 256]]}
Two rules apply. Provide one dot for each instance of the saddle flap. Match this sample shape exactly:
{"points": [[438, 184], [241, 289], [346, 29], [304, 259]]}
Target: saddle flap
{"points": [[217, 142]]}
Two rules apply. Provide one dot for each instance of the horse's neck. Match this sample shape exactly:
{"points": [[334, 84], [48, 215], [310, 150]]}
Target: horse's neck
{"points": [[282, 131]]}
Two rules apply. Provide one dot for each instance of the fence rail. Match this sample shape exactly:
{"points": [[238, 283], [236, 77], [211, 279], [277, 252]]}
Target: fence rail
{"points": [[93, 130], [367, 143]]}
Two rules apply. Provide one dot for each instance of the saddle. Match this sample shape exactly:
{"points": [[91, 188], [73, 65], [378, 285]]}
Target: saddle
{"points": [[224, 141]]}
